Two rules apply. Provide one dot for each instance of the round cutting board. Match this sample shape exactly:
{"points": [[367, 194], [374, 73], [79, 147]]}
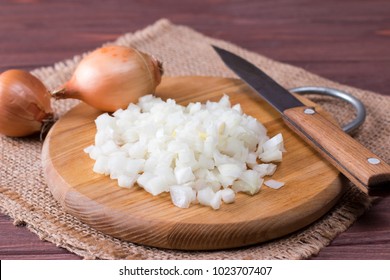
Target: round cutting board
{"points": [[312, 186]]}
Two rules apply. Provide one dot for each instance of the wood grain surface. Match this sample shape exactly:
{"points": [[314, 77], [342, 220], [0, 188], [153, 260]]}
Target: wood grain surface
{"points": [[312, 185], [346, 41]]}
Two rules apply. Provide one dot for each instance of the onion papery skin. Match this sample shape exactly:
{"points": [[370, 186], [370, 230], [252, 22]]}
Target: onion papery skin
{"points": [[24, 103], [112, 77]]}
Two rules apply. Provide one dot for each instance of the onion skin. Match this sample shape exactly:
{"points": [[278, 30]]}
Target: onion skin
{"points": [[24, 103], [112, 77]]}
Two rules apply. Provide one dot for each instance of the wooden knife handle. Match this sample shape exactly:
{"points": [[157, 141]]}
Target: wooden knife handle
{"points": [[363, 168]]}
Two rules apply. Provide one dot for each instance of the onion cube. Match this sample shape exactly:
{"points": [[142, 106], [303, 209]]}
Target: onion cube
{"points": [[182, 196]]}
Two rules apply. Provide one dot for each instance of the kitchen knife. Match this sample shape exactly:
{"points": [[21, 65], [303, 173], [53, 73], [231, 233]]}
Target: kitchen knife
{"points": [[363, 168]]}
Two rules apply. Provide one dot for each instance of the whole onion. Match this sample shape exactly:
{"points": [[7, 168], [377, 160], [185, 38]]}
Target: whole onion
{"points": [[112, 77], [24, 103]]}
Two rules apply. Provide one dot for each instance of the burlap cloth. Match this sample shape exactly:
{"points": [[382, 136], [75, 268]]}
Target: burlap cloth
{"points": [[25, 197]]}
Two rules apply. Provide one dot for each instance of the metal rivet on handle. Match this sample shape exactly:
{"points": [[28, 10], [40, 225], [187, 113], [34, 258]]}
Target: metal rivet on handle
{"points": [[309, 111], [373, 161]]}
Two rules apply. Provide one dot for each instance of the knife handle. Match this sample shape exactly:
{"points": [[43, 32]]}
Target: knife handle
{"points": [[363, 168]]}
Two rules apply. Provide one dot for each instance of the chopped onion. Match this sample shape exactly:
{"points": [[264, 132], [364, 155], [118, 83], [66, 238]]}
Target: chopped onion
{"points": [[272, 149], [228, 195], [274, 184], [203, 153], [182, 195]]}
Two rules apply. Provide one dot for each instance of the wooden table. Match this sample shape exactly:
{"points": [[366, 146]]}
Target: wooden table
{"points": [[346, 41]]}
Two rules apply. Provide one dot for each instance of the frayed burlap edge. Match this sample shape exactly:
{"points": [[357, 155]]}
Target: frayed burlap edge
{"points": [[162, 39]]}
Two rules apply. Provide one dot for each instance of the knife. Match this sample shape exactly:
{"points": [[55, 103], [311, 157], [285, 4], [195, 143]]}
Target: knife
{"points": [[362, 167]]}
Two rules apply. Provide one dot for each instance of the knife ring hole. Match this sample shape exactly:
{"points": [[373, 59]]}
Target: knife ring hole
{"points": [[353, 125]]}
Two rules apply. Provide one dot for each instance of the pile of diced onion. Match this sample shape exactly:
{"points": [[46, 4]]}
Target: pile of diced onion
{"points": [[199, 153]]}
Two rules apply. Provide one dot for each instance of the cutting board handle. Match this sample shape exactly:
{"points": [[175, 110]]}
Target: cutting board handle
{"points": [[362, 167]]}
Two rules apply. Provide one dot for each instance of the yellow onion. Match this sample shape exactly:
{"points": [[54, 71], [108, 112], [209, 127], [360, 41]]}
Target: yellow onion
{"points": [[112, 77], [24, 103]]}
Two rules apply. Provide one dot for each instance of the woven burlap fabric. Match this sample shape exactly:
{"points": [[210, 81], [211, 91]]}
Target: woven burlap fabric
{"points": [[25, 197]]}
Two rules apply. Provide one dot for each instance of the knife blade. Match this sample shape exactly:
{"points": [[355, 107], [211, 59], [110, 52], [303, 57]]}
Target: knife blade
{"points": [[367, 171]]}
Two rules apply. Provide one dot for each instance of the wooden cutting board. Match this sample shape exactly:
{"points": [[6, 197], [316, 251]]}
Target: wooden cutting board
{"points": [[312, 186]]}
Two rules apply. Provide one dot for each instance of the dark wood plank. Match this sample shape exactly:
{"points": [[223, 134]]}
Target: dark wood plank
{"points": [[17, 242], [368, 238], [346, 41]]}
